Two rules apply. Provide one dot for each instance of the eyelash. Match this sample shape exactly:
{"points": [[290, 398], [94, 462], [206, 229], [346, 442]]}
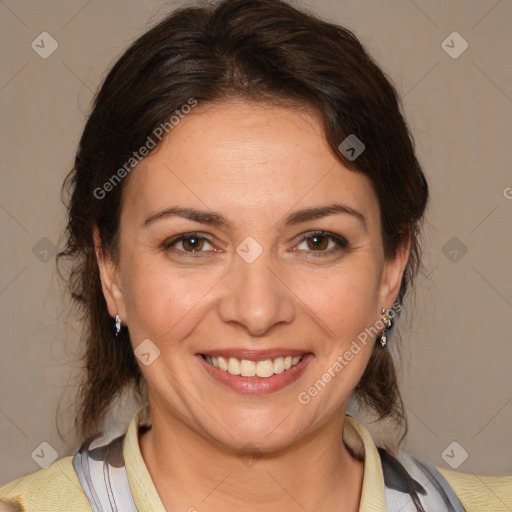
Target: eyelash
{"points": [[340, 241]]}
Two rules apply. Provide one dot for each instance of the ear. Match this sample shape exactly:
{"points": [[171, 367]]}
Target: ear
{"points": [[109, 275], [392, 274]]}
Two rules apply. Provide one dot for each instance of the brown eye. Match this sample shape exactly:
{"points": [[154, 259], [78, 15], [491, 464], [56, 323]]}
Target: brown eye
{"points": [[188, 243], [323, 243], [192, 243], [317, 242]]}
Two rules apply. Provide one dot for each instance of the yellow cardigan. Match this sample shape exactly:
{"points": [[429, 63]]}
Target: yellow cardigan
{"points": [[57, 488]]}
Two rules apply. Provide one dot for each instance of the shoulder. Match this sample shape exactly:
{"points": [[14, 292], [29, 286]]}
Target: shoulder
{"points": [[410, 479], [478, 492], [53, 489]]}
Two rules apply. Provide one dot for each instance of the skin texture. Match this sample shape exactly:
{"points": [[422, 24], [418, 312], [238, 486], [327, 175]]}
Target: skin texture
{"points": [[254, 164]]}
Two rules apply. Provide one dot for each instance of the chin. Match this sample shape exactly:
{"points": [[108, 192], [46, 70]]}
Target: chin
{"points": [[261, 431]]}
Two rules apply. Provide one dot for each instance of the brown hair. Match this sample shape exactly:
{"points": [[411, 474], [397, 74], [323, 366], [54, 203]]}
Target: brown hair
{"points": [[263, 50]]}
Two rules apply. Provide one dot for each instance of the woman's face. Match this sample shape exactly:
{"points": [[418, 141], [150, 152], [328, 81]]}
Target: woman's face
{"points": [[221, 256]]}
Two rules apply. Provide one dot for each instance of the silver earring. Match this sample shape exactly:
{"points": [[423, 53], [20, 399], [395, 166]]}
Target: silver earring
{"points": [[387, 320], [118, 325]]}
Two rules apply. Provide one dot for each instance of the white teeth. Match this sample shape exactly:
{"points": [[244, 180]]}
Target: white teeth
{"points": [[279, 365], [265, 368], [234, 366], [247, 368]]}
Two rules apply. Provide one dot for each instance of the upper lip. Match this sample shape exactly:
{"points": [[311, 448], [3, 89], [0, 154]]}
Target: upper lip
{"points": [[254, 355]]}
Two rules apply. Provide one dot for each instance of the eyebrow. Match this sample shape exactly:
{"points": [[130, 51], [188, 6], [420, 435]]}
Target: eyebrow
{"points": [[301, 216], [292, 219]]}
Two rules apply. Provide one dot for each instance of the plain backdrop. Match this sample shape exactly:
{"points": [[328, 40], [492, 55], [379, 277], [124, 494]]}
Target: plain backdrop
{"points": [[456, 378]]}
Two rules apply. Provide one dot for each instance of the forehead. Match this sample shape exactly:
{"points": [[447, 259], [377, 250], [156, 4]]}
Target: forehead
{"points": [[239, 157]]}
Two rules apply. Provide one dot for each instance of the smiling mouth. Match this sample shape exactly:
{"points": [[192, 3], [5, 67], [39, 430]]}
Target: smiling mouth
{"points": [[246, 368]]}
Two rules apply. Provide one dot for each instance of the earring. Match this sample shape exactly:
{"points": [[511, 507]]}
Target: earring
{"points": [[118, 325], [387, 320]]}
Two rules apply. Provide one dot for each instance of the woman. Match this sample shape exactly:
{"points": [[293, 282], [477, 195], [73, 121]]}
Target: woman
{"points": [[244, 226]]}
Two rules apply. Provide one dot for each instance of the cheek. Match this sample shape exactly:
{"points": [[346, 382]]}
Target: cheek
{"points": [[163, 302], [345, 298], [345, 303]]}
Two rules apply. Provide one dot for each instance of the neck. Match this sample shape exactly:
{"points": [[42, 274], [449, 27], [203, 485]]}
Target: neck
{"points": [[316, 472]]}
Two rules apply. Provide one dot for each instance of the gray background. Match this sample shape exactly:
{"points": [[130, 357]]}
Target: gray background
{"points": [[457, 343]]}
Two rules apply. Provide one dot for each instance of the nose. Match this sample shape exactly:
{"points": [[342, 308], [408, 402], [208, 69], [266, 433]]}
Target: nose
{"points": [[256, 297]]}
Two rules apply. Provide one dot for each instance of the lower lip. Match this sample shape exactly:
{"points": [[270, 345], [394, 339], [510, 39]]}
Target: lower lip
{"points": [[257, 385]]}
